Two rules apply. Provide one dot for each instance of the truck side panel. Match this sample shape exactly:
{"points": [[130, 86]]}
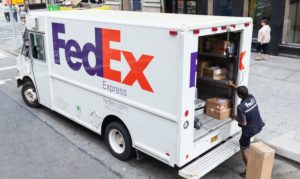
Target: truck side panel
{"points": [[104, 69]]}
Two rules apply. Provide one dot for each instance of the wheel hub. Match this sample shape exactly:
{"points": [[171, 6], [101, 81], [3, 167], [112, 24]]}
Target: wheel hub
{"points": [[116, 141], [30, 95]]}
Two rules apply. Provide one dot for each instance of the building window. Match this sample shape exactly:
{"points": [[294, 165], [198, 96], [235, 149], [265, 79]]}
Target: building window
{"points": [[223, 7], [184, 6], [292, 22], [259, 9], [136, 5]]}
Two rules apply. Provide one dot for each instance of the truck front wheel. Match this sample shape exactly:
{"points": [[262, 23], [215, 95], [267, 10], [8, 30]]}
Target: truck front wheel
{"points": [[118, 141], [29, 95]]}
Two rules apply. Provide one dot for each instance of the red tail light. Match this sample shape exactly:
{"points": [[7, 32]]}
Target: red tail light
{"points": [[247, 24], [186, 113]]}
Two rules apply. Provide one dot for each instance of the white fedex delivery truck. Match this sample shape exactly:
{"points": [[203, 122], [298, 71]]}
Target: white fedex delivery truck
{"points": [[135, 78]]}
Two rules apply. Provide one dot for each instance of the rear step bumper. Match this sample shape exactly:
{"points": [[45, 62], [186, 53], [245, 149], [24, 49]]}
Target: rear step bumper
{"points": [[212, 159]]}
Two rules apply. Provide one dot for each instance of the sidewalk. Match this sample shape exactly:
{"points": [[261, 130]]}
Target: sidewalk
{"points": [[6, 39], [276, 85], [6, 35]]}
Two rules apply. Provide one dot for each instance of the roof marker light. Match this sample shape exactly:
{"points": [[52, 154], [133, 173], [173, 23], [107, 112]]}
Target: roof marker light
{"points": [[233, 25], [214, 29], [223, 27], [247, 24], [196, 31], [173, 32]]}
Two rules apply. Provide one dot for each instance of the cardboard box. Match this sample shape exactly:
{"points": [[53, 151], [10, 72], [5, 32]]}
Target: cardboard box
{"points": [[218, 113], [218, 47], [215, 73], [218, 103], [260, 161], [201, 65]]}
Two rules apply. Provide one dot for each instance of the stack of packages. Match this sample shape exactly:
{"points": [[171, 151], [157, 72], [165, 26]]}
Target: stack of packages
{"points": [[218, 108], [217, 47], [215, 73], [206, 70]]}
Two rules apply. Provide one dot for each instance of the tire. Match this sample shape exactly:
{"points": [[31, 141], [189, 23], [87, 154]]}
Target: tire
{"points": [[29, 95], [121, 149]]}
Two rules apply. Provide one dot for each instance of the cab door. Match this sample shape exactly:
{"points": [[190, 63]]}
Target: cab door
{"points": [[40, 70]]}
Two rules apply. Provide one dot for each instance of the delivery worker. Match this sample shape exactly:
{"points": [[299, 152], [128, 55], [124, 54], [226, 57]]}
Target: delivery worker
{"points": [[248, 117]]}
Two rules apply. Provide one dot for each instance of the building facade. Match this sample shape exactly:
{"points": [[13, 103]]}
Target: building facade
{"points": [[284, 16]]}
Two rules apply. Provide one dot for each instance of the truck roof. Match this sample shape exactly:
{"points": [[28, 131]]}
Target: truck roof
{"points": [[180, 22]]}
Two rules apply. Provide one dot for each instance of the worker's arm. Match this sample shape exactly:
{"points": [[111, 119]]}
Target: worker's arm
{"points": [[240, 122], [230, 84], [241, 118]]}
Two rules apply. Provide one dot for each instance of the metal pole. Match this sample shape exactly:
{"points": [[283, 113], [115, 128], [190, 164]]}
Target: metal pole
{"points": [[13, 25]]}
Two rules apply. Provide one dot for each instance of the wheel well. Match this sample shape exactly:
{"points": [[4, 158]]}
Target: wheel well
{"points": [[27, 79], [23, 81], [109, 119]]}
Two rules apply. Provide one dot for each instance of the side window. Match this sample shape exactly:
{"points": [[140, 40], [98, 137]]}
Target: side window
{"points": [[37, 46]]}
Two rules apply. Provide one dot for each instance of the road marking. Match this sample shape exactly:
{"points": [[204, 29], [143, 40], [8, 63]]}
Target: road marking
{"points": [[2, 82], [8, 68]]}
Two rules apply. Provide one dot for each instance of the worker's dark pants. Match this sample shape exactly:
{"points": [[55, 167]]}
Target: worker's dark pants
{"points": [[7, 16]]}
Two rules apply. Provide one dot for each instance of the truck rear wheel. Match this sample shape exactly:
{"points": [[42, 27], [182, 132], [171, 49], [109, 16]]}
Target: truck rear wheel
{"points": [[29, 95], [118, 140]]}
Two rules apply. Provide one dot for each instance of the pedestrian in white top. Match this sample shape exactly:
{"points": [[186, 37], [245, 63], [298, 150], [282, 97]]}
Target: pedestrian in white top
{"points": [[263, 39], [6, 10]]}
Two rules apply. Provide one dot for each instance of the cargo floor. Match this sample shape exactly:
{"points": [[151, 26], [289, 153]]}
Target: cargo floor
{"points": [[209, 124]]}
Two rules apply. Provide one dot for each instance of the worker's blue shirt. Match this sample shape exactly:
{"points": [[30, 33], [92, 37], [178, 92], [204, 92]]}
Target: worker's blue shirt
{"points": [[248, 111]]}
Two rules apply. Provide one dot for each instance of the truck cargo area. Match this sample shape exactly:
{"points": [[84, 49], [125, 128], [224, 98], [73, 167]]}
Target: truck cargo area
{"points": [[217, 62]]}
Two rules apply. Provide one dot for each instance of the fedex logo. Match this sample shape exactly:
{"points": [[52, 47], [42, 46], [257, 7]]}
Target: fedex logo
{"points": [[104, 55], [193, 69]]}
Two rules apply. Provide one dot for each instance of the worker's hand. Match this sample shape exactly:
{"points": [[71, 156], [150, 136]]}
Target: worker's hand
{"points": [[230, 83]]}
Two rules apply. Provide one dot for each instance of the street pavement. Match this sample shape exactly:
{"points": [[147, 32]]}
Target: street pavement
{"points": [[39, 143], [276, 85]]}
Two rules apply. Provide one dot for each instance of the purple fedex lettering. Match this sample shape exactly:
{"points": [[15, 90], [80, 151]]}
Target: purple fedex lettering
{"points": [[193, 69], [97, 50], [57, 43], [77, 52], [104, 55]]}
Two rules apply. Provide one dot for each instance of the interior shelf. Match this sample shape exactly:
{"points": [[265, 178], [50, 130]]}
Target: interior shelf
{"points": [[209, 125]]}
